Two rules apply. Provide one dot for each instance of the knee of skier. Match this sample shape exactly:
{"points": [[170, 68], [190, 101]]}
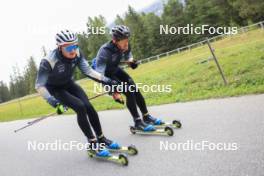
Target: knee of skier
{"points": [[90, 110], [80, 107], [132, 86], [130, 81]]}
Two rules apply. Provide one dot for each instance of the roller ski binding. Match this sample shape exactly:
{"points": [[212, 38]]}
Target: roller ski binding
{"points": [[143, 128], [115, 147], [158, 123], [104, 154]]}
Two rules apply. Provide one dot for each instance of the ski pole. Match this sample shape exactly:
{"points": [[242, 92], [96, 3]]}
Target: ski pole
{"points": [[51, 114], [99, 95], [35, 121]]}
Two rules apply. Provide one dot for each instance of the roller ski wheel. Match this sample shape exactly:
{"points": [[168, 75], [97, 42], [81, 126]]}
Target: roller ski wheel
{"points": [[159, 123], [131, 150], [123, 159], [119, 159], [167, 131], [113, 146], [177, 123], [132, 130], [174, 124]]}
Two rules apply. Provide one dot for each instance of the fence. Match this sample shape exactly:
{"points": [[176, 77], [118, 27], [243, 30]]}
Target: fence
{"points": [[204, 42], [168, 53]]}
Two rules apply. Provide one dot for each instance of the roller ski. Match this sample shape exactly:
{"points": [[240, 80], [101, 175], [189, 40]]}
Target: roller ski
{"points": [[158, 123], [105, 154], [148, 129], [115, 147]]}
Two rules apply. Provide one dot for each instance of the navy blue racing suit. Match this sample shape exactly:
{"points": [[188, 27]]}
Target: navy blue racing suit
{"points": [[56, 85], [107, 62]]}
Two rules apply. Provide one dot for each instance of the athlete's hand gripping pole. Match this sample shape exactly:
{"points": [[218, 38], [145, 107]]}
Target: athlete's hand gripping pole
{"points": [[60, 108]]}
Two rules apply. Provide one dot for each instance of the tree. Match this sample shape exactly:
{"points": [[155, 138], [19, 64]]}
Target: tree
{"points": [[91, 40], [215, 13], [4, 92], [18, 83], [30, 75], [173, 15], [119, 20], [83, 43], [152, 30], [251, 11], [12, 88], [98, 34], [138, 38]]}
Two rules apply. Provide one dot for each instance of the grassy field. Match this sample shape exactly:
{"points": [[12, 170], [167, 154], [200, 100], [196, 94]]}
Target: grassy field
{"points": [[241, 57]]}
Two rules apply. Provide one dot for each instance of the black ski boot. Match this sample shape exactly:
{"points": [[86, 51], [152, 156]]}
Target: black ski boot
{"points": [[140, 125], [108, 143], [152, 120]]}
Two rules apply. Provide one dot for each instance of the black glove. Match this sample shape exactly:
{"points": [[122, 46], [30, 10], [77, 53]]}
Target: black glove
{"points": [[113, 84], [133, 64]]}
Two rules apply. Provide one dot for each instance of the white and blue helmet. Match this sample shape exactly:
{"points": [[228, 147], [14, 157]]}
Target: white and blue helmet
{"points": [[66, 36]]}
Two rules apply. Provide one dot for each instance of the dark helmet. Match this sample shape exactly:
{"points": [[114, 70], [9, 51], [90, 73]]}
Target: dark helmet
{"points": [[120, 32]]}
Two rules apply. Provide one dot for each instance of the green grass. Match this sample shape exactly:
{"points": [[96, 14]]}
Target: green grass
{"points": [[241, 57]]}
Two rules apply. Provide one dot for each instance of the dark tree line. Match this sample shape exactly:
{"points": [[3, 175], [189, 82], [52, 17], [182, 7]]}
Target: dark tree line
{"points": [[20, 84], [146, 39]]}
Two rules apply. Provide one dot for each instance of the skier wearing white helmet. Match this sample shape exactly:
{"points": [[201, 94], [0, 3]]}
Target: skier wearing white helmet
{"points": [[56, 85]]}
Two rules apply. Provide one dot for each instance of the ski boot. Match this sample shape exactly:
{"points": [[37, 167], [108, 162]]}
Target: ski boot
{"points": [[115, 147], [144, 128], [95, 152], [152, 120], [158, 123]]}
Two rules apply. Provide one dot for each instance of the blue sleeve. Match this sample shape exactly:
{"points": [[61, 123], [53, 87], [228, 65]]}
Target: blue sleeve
{"points": [[89, 72], [42, 78], [101, 62], [43, 73]]}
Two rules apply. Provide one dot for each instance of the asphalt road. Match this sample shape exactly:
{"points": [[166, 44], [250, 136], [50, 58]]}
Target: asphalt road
{"points": [[237, 124]]}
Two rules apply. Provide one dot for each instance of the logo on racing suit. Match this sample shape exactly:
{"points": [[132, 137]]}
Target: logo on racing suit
{"points": [[61, 68]]}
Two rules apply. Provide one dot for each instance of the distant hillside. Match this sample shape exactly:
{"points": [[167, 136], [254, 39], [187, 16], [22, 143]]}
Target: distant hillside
{"points": [[156, 7]]}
